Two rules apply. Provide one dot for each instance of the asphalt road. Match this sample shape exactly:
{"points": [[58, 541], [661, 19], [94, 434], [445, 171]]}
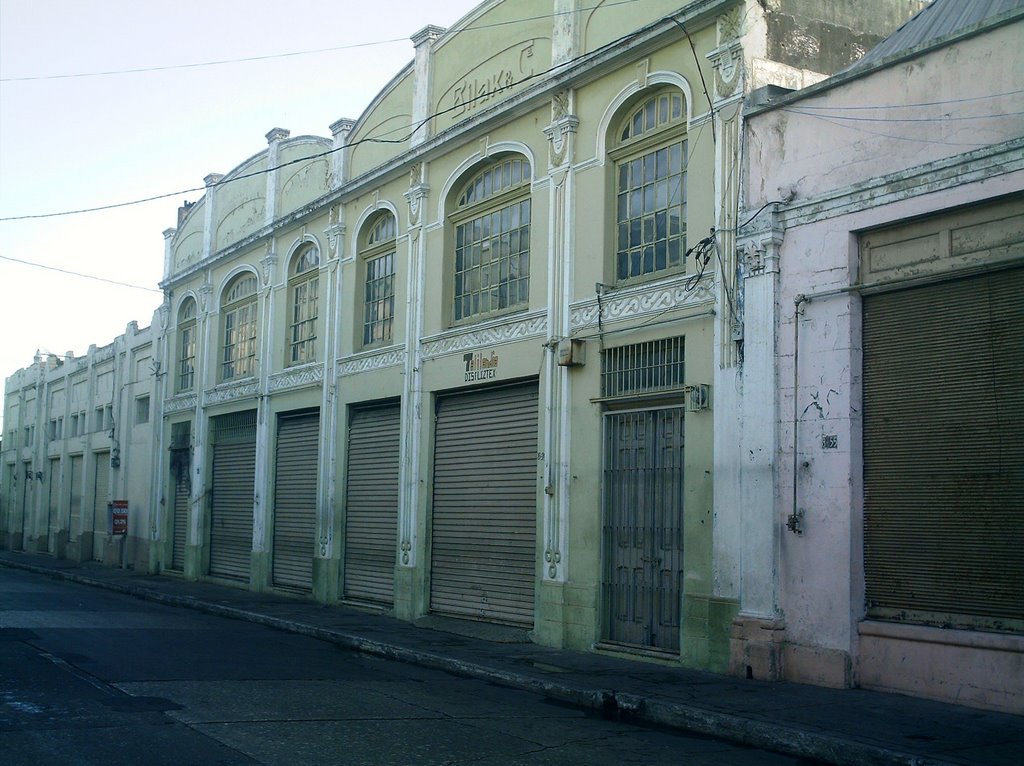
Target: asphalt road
{"points": [[93, 677]]}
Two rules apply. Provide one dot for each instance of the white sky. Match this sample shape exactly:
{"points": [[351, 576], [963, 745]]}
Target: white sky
{"points": [[75, 143]]}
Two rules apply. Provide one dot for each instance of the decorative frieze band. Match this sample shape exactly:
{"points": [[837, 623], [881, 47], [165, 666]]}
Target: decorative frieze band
{"points": [[640, 301], [306, 375], [234, 391], [180, 404], [374, 360], [454, 341]]}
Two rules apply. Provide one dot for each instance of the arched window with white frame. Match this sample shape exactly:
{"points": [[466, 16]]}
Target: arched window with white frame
{"points": [[303, 302], [650, 156], [491, 221], [238, 323], [377, 251]]}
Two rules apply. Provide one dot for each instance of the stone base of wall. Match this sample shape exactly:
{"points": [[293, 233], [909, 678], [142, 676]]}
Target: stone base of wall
{"points": [[756, 648], [983, 670], [816, 665]]}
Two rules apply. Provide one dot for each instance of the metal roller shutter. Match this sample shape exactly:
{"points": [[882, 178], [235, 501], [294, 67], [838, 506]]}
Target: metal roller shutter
{"points": [[75, 506], [298, 438], [100, 498], [371, 506], [234, 479], [181, 469], [53, 503], [944, 453], [483, 527], [182, 495]]}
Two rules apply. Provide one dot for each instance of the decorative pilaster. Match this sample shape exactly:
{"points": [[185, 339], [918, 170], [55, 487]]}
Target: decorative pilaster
{"points": [[412, 396], [423, 42], [209, 219], [561, 134], [169, 252], [340, 130], [564, 35], [274, 139]]}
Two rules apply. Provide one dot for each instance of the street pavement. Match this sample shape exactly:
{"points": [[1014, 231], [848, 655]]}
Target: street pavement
{"points": [[841, 726]]}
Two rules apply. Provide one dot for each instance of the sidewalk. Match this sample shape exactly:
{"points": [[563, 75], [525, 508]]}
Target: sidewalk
{"points": [[849, 726]]}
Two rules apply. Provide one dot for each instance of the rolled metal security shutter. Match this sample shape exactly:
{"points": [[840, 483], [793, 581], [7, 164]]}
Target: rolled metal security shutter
{"points": [[483, 526], [298, 439], [944, 452], [371, 507], [231, 510], [53, 501], [101, 492], [182, 493], [181, 470], [75, 509]]}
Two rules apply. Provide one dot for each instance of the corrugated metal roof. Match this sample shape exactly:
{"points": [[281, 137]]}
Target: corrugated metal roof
{"points": [[938, 20]]}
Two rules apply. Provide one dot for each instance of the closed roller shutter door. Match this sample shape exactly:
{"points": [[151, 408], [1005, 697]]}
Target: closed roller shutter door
{"points": [[53, 503], [234, 478], [295, 500], [944, 452], [100, 499], [371, 507], [483, 527], [75, 510], [182, 495]]}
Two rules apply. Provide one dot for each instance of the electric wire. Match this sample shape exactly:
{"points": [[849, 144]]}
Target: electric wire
{"points": [[292, 54], [411, 131], [79, 274]]}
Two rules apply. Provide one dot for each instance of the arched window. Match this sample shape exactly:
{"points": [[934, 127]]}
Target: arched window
{"points": [[304, 293], [492, 240], [650, 171], [187, 345], [378, 254], [239, 324]]}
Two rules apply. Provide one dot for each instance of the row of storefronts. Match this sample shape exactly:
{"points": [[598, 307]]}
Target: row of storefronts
{"points": [[505, 349]]}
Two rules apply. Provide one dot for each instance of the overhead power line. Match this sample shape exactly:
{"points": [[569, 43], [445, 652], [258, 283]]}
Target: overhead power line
{"points": [[78, 274], [288, 54]]}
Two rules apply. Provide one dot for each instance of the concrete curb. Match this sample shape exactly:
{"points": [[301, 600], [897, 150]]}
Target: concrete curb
{"points": [[622, 706]]}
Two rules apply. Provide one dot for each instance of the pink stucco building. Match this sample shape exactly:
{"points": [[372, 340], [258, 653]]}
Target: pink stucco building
{"points": [[879, 409]]}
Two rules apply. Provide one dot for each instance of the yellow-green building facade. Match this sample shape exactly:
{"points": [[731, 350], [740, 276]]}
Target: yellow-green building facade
{"points": [[462, 357]]}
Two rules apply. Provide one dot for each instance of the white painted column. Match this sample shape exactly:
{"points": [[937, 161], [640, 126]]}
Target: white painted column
{"points": [[274, 139], [264, 364], [327, 479], [412, 394], [205, 377], [421, 109], [561, 134]]}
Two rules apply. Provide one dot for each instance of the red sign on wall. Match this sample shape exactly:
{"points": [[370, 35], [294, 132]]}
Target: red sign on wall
{"points": [[119, 517]]}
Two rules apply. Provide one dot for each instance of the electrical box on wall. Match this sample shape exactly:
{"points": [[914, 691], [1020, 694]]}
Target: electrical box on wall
{"points": [[571, 352]]}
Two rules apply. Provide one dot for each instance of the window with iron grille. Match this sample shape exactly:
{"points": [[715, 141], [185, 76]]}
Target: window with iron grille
{"points": [[650, 168], [492, 240], [379, 283], [304, 288], [643, 368]]}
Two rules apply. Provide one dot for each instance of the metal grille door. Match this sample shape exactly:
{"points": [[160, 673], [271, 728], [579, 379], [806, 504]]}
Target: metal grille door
{"points": [[75, 505], [182, 501], [484, 522], [100, 498], [298, 448], [53, 505], [643, 533], [231, 509], [371, 508]]}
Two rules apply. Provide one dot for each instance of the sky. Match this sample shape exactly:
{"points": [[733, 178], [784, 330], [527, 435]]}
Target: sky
{"points": [[68, 143]]}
